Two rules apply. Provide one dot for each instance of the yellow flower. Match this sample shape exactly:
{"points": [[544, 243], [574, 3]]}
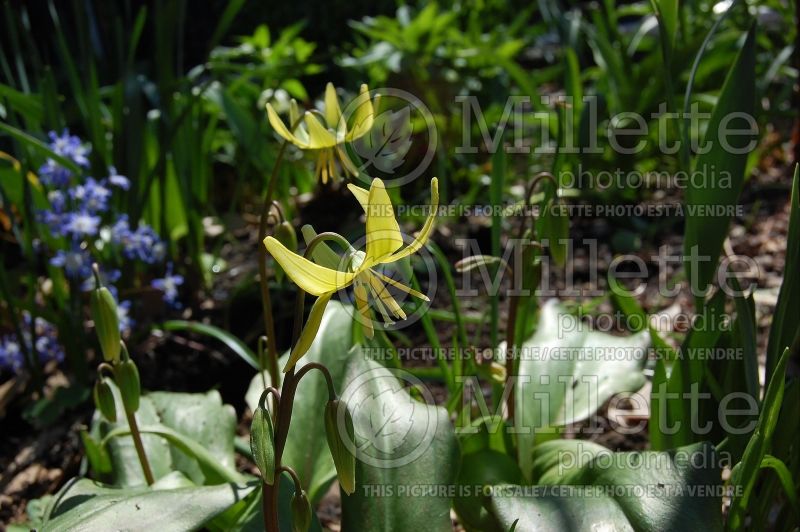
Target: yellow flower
{"points": [[327, 136], [384, 243]]}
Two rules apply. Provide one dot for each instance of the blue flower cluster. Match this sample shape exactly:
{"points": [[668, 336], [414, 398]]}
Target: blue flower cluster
{"points": [[46, 346], [140, 244], [169, 286], [81, 212], [70, 147]]}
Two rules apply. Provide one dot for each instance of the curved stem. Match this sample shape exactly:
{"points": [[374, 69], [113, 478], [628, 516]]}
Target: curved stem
{"points": [[298, 486], [325, 372], [513, 300]]}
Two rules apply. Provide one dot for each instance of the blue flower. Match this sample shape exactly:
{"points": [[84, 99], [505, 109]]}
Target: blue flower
{"points": [[10, 354], [142, 244], [82, 224], [117, 180], [92, 196], [77, 262], [126, 323], [58, 201], [53, 174], [46, 344], [70, 146], [169, 285]]}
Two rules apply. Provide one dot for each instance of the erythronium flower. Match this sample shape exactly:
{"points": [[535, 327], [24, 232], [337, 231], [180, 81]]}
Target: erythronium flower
{"points": [[384, 243], [327, 136]]}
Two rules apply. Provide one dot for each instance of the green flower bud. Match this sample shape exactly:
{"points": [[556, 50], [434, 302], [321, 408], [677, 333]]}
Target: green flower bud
{"points": [[104, 399], [301, 512], [106, 323], [531, 264], [286, 235], [343, 459], [554, 226], [262, 444], [127, 377]]}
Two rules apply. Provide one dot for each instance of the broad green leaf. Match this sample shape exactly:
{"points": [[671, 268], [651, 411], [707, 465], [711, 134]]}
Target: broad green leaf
{"points": [[191, 433], [567, 372], [87, 506], [403, 444], [549, 465], [643, 491], [211, 470], [204, 419], [722, 172], [482, 468], [126, 469]]}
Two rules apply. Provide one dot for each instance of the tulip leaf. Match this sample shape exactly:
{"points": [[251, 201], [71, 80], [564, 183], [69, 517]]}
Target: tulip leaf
{"points": [[403, 445], [191, 433], [647, 491], [567, 372], [86, 505]]}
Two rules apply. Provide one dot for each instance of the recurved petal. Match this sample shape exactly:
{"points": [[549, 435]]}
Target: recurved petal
{"points": [[311, 277], [318, 136], [383, 232], [363, 115], [426, 230], [332, 111], [362, 195], [281, 129]]}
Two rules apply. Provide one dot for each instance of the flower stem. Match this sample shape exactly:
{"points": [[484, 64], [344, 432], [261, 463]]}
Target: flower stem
{"points": [[137, 442], [269, 321]]}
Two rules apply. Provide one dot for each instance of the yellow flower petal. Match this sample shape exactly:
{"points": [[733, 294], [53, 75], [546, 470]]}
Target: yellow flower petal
{"points": [[383, 232], [362, 195], [313, 278], [426, 230], [281, 129], [318, 136], [309, 331], [332, 111], [347, 164], [363, 116], [294, 114]]}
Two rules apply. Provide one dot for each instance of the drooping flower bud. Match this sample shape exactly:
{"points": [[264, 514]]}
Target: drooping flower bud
{"points": [[301, 512], [104, 399], [531, 264], [127, 376], [343, 459], [262, 444], [106, 323]]}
